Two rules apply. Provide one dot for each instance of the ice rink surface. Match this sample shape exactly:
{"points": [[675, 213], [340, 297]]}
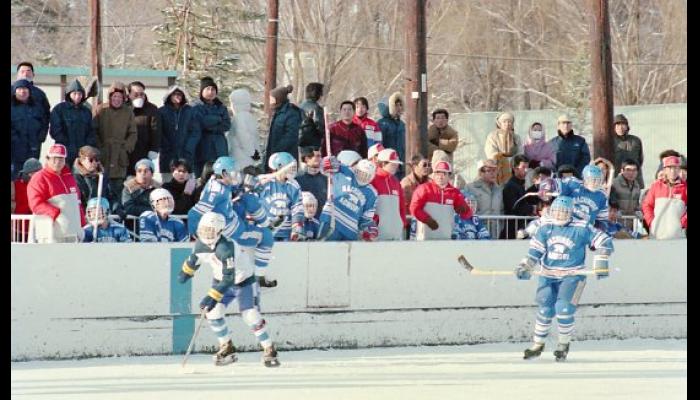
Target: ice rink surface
{"points": [[612, 369]]}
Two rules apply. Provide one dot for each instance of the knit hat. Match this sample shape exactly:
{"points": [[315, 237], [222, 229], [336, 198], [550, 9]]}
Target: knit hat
{"points": [[206, 82], [620, 119], [144, 162], [280, 93], [506, 116], [30, 165], [314, 91], [21, 83]]}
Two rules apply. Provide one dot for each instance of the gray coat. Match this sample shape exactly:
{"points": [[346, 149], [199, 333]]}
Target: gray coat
{"points": [[626, 195]]}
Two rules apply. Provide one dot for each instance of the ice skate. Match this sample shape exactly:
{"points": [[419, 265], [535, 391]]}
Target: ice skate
{"points": [[270, 357], [533, 351], [226, 354], [561, 351]]}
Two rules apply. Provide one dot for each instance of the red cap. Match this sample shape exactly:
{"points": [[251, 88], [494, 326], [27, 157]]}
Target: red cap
{"points": [[442, 166], [57, 150], [671, 161]]}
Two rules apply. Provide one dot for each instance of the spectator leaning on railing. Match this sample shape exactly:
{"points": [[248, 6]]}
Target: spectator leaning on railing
{"points": [[181, 186], [489, 195], [420, 171], [626, 190], [390, 214], [513, 191], [86, 170], [665, 204], [136, 191]]}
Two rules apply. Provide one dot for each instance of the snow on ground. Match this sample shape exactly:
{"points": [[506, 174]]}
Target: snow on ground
{"points": [[612, 369]]}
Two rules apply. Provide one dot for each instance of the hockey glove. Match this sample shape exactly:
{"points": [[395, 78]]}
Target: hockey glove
{"points": [[600, 266], [297, 231], [263, 282], [432, 223], [524, 269], [209, 301], [461, 209], [185, 273], [330, 164], [367, 236]]}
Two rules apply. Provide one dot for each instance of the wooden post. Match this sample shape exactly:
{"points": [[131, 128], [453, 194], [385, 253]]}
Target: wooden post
{"points": [[96, 50], [271, 52], [416, 89], [601, 81]]}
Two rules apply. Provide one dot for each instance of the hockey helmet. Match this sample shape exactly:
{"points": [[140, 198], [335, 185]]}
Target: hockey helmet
{"points": [[162, 201], [282, 159], [561, 210], [210, 227], [97, 210], [349, 157], [364, 172], [310, 203], [547, 189], [593, 177], [225, 167]]}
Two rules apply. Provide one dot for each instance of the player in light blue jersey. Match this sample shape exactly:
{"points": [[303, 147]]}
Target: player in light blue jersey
{"points": [[590, 200], [350, 216], [233, 279], [108, 231], [471, 228], [281, 197], [158, 225], [311, 224], [559, 247]]}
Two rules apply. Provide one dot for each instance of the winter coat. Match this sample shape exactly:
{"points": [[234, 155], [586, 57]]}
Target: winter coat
{"points": [[345, 137], [28, 129], [21, 200], [393, 129], [183, 202], [116, 135], [513, 190], [628, 147], [87, 184], [310, 105], [71, 124], [284, 131], [665, 208], [46, 185], [571, 149], [371, 129], [176, 126], [135, 198], [148, 133], [539, 151], [501, 146], [489, 202], [443, 139], [626, 195], [243, 140], [409, 184], [431, 201], [390, 214], [316, 184], [210, 139]]}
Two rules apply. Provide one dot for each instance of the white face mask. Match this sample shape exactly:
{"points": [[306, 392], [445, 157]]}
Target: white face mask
{"points": [[137, 102], [536, 134]]}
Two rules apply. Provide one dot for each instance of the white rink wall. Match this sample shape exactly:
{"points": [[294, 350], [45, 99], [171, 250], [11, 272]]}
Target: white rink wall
{"points": [[123, 299]]}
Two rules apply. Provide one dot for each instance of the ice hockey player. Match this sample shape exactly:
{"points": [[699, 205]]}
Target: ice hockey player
{"points": [[559, 247], [350, 215], [108, 231], [234, 279], [589, 198], [311, 223], [217, 196], [281, 198], [157, 225], [349, 158], [469, 228], [390, 215]]}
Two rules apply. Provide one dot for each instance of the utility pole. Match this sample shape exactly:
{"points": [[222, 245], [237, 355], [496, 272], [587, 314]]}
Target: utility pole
{"points": [[271, 52], [96, 50], [416, 89], [601, 82]]}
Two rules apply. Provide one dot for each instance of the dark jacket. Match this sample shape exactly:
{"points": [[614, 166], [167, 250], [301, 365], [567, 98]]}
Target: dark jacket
{"points": [[316, 184], [87, 184], [284, 131], [147, 133], [513, 190], [177, 125], [28, 128], [626, 195], [71, 124], [345, 137], [209, 141], [135, 198], [571, 149], [628, 147], [393, 133], [309, 105], [183, 202]]}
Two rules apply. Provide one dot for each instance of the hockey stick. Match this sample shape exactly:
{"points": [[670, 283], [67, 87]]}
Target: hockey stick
{"points": [[196, 333], [99, 195], [478, 271], [329, 195]]}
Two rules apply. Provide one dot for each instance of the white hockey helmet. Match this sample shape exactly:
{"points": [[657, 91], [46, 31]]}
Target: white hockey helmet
{"points": [[210, 227], [364, 172], [162, 201], [349, 157], [310, 203]]}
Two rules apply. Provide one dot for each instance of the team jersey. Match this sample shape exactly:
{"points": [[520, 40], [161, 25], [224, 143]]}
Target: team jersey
{"points": [[283, 200], [561, 248], [311, 228], [152, 228], [469, 229], [353, 206], [591, 206], [248, 207], [113, 233], [221, 260], [215, 197]]}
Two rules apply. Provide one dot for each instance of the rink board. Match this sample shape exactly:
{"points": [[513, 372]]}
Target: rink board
{"points": [[123, 299]]}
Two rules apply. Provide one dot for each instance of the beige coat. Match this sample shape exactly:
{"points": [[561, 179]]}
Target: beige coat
{"points": [[444, 139], [502, 146], [116, 136]]}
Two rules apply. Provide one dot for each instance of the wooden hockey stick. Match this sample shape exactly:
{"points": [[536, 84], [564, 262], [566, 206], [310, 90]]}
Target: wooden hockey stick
{"points": [[478, 271], [196, 333]]}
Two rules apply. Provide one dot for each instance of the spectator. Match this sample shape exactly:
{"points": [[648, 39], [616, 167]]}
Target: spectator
{"points": [[665, 204], [178, 124], [667, 153], [157, 225], [607, 168], [488, 194], [501, 145], [393, 129], [434, 204], [312, 225], [311, 180], [207, 172], [136, 192], [313, 110], [345, 134], [390, 215], [614, 228], [53, 193], [567, 171], [368, 125], [71, 121], [28, 126], [626, 147], [86, 170], [181, 186], [420, 172], [284, 127], [537, 149], [19, 190], [684, 171], [538, 174], [626, 190], [513, 202], [116, 135], [209, 141], [108, 231], [148, 131], [243, 138], [470, 228], [570, 148], [25, 70], [441, 135]]}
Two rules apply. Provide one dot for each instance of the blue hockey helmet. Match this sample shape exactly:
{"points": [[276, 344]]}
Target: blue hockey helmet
{"points": [[561, 210], [97, 210], [593, 178], [225, 166], [282, 159]]}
